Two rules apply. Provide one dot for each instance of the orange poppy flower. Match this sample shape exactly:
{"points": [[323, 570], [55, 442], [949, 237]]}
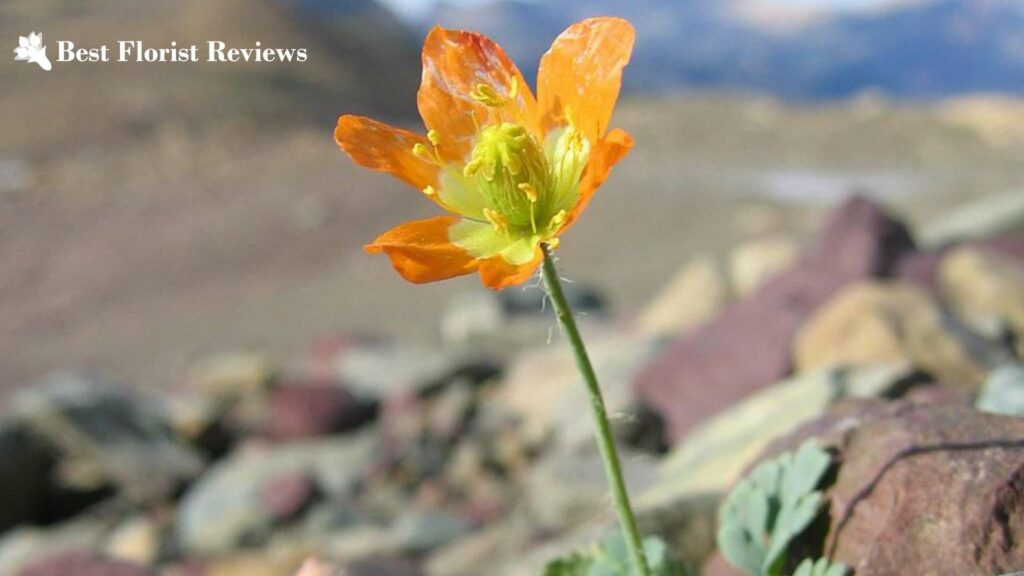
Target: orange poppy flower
{"points": [[513, 170]]}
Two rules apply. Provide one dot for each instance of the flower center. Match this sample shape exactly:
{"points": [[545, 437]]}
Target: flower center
{"points": [[510, 170]]}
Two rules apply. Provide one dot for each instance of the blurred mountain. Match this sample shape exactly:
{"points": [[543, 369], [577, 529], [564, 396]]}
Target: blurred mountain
{"points": [[908, 48], [90, 102]]}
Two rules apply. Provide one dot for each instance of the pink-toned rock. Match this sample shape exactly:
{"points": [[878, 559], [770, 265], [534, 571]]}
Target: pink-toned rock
{"points": [[288, 495], [922, 488], [83, 564], [748, 346], [305, 410], [717, 565], [922, 267]]}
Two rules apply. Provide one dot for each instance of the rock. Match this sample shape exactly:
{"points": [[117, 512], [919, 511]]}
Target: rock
{"points": [[313, 567], [83, 564], [224, 509], [107, 434], [717, 565], [25, 467], [715, 455], [986, 290], [923, 267], [374, 370], [465, 556], [135, 540], [364, 541], [231, 376], [287, 496], [568, 486], [695, 295], [753, 263], [419, 531], [923, 489], [382, 567], [278, 561], [306, 410], [748, 346], [983, 218], [1003, 392], [22, 546], [543, 387], [483, 323], [870, 323], [470, 315]]}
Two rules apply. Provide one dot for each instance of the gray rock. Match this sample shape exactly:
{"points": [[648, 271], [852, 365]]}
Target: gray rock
{"points": [[22, 546], [982, 218], [695, 295], [419, 531], [224, 509], [544, 389], [374, 371], [568, 485], [107, 435], [1003, 392]]}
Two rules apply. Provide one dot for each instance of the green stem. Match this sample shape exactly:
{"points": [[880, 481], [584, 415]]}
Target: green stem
{"points": [[605, 441]]}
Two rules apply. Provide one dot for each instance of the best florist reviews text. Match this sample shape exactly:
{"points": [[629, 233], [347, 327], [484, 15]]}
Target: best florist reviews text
{"points": [[214, 51]]}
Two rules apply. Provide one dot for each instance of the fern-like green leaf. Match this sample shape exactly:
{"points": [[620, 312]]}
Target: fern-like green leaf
{"points": [[611, 558], [820, 568], [769, 508]]}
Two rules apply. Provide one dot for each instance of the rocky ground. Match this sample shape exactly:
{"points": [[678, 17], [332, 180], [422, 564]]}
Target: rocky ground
{"points": [[896, 348]]}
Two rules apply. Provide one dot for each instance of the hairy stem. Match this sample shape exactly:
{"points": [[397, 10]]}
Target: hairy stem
{"points": [[603, 431]]}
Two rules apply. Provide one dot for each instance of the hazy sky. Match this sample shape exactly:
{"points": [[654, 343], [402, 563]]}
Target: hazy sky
{"points": [[413, 8]]}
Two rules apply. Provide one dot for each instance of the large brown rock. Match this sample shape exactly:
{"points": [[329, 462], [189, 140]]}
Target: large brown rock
{"points": [[748, 346], [923, 488]]}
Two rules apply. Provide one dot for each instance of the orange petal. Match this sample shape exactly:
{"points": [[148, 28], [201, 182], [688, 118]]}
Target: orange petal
{"points": [[454, 64], [497, 274], [603, 157], [421, 252], [583, 71], [377, 146]]}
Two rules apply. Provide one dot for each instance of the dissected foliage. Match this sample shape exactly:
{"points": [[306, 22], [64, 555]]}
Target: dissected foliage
{"points": [[769, 508], [611, 558]]}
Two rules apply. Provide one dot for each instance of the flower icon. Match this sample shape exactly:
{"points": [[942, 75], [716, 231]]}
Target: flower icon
{"points": [[31, 49]]}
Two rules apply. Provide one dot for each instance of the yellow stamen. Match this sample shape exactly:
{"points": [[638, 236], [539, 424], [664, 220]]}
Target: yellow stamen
{"points": [[530, 191], [559, 218], [488, 96], [471, 168], [420, 149], [429, 191], [570, 117], [531, 194], [554, 243], [499, 222], [434, 137]]}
